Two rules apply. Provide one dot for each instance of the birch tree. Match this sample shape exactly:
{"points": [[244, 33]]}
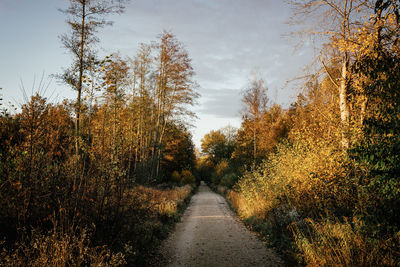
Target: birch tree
{"points": [[336, 21], [255, 104]]}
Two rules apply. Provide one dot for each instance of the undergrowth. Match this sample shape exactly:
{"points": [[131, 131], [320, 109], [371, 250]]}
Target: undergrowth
{"points": [[146, 217]]}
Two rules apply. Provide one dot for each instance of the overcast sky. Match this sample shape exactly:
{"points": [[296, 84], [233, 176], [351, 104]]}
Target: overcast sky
{"points": [[227, 40]]}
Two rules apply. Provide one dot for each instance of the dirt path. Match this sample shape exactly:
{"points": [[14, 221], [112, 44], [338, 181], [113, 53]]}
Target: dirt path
{"points": [[209, 234]]}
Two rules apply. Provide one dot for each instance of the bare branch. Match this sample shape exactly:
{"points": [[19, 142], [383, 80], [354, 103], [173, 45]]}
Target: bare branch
{"points": [[329, 74]]}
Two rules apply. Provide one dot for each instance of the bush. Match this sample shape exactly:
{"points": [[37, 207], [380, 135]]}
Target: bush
{"points": [[176, 177], [220, 170], [307, 177], [229, 180], [187, 177], [334, 243], [183, 178]]}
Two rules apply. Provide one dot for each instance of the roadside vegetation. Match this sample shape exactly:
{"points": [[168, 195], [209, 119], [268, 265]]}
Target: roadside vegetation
{"points": [[320, 179], [98, 181]]}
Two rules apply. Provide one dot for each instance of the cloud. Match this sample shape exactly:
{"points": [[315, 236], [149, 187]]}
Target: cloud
{"points": [[222, 103]]}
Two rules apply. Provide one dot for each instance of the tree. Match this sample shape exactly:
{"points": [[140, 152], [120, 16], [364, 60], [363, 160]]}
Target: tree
{"points": [[142, 104], [230, 133], [85, 17], [178, 153], [376, 94], [217, 146], [272, 127], [115, 82], [376, 40], [255, 104], [174, 89], [34, 121], [338, 21]]}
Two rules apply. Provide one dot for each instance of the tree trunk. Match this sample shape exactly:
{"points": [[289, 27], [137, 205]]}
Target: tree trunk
{"points": [[343, 105], [364, 106], [78, 101], [255, 143]]}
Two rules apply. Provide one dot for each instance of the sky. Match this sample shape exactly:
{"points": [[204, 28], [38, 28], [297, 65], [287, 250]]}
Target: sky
{"points": [[227, 40]]}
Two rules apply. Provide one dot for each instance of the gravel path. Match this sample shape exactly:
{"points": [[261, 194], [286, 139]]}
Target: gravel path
{"points": [[209, 234]]}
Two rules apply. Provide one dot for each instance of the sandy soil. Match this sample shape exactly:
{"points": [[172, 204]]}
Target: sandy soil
{"points": [[209, 234]]}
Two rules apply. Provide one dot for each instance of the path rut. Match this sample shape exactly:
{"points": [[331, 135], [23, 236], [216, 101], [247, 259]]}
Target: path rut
{"points": [[209, 234]]}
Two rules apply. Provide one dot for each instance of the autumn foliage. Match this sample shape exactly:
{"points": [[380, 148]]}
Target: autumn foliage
{"points": [[322, 176]]}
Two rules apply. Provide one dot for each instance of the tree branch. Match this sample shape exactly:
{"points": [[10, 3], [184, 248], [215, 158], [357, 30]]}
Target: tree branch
{"points": [[329, 74]]}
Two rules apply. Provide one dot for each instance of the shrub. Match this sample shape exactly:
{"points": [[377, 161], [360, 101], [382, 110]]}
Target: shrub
{"points": [[176, 177], [229, 180], [187, 177], [307, 177], [222, 167], [334, 243], [220, 170], [183, 178]]}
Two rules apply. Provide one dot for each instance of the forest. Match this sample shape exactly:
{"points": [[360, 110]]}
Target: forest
{"points": [[99, 180]]}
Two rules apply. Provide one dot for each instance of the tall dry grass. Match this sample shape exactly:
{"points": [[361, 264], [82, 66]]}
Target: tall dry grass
{"points": [[335, 243]]}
